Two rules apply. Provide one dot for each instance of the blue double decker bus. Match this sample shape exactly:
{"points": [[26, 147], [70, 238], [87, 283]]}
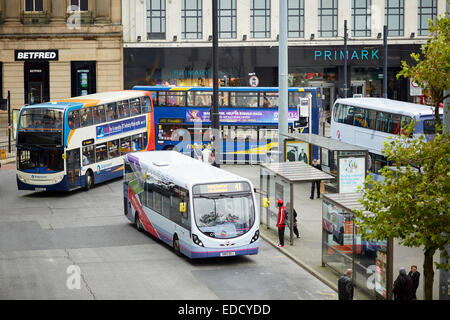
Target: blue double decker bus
{"points": [[248, 118]]}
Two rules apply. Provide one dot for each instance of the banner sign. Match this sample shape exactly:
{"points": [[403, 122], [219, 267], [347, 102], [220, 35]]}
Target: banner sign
{"points": [[122, 126], [239, 116], [352, 173]]}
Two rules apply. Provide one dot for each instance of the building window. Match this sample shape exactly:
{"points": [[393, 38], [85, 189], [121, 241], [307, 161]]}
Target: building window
{"points": [[34, 5], [79, 5], [328, 20], [191, 19], [260, 19], [156, 19], [427, 10], [227, 19], [361, 18], [296, 18], [394, 16]]}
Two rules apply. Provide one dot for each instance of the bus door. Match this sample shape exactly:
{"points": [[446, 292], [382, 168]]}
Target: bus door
{"points": [[73, 167]]}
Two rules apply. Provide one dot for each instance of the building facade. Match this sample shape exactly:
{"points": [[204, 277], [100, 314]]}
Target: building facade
{"points": [[170, 42], [53, 49]]}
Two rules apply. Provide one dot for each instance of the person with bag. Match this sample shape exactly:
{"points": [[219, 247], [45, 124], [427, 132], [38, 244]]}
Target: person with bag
{"points": [[345, 286], [281, 222]]}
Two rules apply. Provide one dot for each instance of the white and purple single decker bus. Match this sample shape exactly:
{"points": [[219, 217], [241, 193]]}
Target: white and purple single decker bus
{"points": [[199, 210]]}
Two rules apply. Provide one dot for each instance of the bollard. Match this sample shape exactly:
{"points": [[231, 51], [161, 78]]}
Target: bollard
{"points": [[3, 154]]}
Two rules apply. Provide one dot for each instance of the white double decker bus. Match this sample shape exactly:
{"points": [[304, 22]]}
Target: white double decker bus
{"points": [[199, 210]]}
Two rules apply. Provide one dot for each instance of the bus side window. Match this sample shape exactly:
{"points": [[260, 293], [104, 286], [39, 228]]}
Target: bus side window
{"points": [[382, 121], [371, 119], [145, 103], [113, 149], [74, 119], [86, 117], [125, 145], [335, 112], [101, 154], [135, 106], [157, 202], [99, 114], [359, 119], [111, 113], [350, 115], [148, 195], [124, 110], [394, 124], [136, 144], [88, 155]]}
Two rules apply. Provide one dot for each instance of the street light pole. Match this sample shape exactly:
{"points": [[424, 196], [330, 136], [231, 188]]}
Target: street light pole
{"points": [[345, 60], [282, 79], [385, 65], [215, 101]]}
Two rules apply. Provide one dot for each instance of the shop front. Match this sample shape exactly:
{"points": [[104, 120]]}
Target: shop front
{"points": [[321, 66]]}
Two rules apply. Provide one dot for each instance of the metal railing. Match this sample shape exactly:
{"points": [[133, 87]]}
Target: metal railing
{"points": [[34, 17]]}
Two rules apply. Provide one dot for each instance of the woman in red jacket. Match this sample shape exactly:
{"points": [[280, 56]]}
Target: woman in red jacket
{"points": [[281, 224]]}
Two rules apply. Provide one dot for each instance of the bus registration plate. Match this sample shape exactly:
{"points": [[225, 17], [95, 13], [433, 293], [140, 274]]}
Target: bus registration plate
{"points": [[40, 189], [227, 254]]}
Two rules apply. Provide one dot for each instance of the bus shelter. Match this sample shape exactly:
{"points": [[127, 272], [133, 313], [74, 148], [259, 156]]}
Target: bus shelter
{"points": [[277, 182], [347, 163], [343, 248]]}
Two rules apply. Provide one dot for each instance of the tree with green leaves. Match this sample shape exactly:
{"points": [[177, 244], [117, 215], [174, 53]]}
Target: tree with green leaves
{"points": [[411, 204], [432, 69]]}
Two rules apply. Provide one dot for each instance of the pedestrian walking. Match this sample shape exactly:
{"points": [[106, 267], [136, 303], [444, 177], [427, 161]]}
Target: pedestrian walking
{"points": [[297, 234], [197, 152], [281, 223], [206, 155], [345, 286], [415, 277], [403, 286], [294, 227], [316, 183]]}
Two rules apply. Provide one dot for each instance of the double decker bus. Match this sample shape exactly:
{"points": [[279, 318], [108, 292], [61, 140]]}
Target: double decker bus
{"points": [[199, 210], [78, 142], [369, 122], [248, 118]]}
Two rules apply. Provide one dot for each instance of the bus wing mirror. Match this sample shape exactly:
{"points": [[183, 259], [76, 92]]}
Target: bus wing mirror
{"points": [[182, 207], [266, 202]]}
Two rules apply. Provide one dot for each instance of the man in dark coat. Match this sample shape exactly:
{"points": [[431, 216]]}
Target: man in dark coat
{"points": [[316, 183], [345, 286], [403, 286], [415, 277]]}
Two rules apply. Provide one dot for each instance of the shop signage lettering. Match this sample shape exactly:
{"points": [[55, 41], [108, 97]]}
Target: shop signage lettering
{"points": [[335, 55], [191, 73], [27, 55]]}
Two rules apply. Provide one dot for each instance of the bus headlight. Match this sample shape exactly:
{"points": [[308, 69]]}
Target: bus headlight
{"points": [[255, 237], [197, 240]]}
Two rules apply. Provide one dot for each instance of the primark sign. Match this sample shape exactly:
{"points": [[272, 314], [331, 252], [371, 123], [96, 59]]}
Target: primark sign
{"points": [[36, 55], [370, 56]]}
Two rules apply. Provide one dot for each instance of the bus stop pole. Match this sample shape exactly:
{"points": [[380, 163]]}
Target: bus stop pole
{"points": [[282, 80]]}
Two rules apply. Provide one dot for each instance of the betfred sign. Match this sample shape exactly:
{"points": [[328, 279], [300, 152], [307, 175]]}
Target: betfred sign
{"points": [[36, 55]]}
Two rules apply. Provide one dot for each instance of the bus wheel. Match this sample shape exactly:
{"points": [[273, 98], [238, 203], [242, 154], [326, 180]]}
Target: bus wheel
{"points": [[176, 246], [88, 180], [137, 221]]}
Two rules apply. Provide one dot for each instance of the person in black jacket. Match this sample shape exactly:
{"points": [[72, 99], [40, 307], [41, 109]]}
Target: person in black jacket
{"points": [[403, 286], [415, 277], [345, 286], [316, 183]]}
